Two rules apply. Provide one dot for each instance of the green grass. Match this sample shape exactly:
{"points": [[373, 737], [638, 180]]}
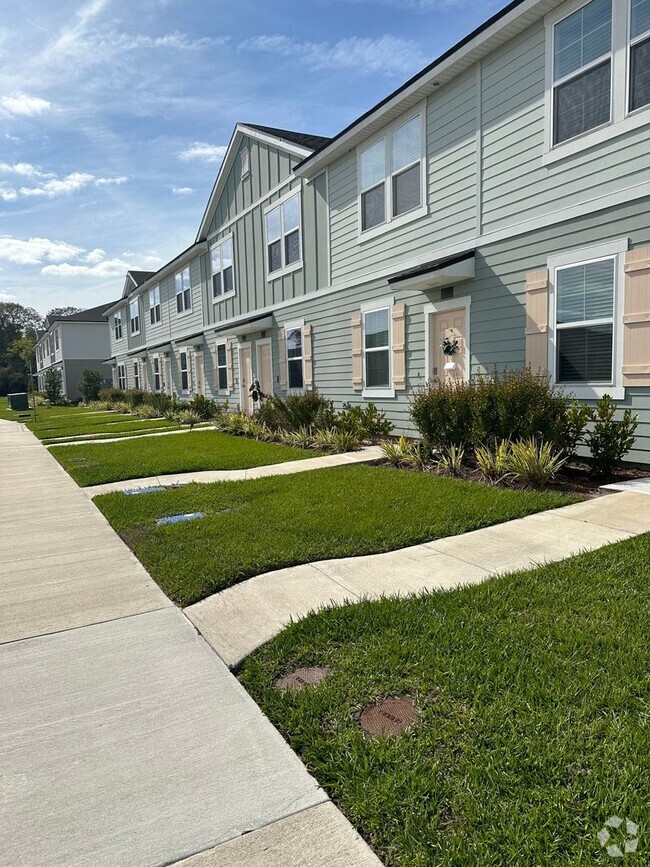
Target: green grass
{"points": [[51, 423], [131, 428], [263, 524], [199, 450], [534, 700]]}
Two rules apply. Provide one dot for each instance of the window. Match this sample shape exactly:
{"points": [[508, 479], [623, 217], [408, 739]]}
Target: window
{"points": [[157, 381], [56, 339], [155, 313], [245, 161], [136, 375], [390, 173], [293, 337], [183, 291], [639, 54], [121, 377], [222, 270], [376, 348], [283, 234], [222, 367], [117, 325], [134, 316], [185, 371]]}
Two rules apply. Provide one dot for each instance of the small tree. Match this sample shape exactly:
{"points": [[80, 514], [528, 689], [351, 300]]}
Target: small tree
{"points": [[609, 440], [91, 382], [53, 385]]}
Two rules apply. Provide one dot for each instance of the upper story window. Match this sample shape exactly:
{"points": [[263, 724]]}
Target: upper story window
{"points": [[245, 157], [223, 282], [376, 348], [134, 316], [183, 290], [117, 325], [391, 174], [56, 339], [598, 71], [283, 243], [155, 311]]}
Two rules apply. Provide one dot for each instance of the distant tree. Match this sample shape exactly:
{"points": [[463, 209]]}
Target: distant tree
{"points": [[18, 327], [55, 312], [91, 382], [53, 385]]}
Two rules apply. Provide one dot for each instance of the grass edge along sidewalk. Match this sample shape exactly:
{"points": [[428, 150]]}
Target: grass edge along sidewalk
{"points": [[531, 693], [259, 525]]}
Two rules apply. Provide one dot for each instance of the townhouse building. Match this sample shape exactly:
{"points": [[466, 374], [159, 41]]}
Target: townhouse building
{"points": [[499, 198], [72, 344]]}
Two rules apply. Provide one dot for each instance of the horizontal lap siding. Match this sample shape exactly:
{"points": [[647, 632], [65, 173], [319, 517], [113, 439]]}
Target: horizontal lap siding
{"points": [[450, 189]]}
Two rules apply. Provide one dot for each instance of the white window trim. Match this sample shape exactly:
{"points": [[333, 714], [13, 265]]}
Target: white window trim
{"points": [[266, 341], [136, 375], [464, 302], [226, 390], [157, 358], [295, 266], [185, 309], [295, 324], [409, 216], [117, 321], [134, 331], [233, 291], [374, 393], [121, 377], [621, 120], [152, 307], [185, 350], [579, 257]]}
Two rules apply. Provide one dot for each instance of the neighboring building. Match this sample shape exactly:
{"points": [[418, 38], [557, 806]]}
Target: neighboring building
{"points": [[72, 344], [501, 197]]}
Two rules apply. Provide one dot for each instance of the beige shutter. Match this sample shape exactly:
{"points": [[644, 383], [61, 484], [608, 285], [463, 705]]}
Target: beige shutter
{"points": [[357, 353], [144, 384], [282, 344], [398, 315], [308, 357], [537, 320], [230, 371], [200, 377], [114, 375], [636, 318]]}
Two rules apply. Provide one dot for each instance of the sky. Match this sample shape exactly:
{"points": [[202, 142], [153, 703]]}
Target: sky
{"points": [[115, 115]]}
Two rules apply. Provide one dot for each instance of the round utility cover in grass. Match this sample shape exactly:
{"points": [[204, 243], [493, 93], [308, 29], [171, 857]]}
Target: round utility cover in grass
{"points": [[300, 678], [392, 716]]}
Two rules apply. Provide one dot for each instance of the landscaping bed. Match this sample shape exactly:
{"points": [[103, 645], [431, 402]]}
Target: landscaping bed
{"points": [[153, 456], [264, 524], [532, 697]]}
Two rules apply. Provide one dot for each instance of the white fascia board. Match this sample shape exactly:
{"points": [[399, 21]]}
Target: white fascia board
{"points": [[422, 85]]}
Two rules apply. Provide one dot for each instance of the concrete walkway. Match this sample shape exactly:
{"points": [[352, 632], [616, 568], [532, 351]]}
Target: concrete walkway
{"points": [[363, 456], [243, 617], [148, 432], [638, 486], [124, 739]]}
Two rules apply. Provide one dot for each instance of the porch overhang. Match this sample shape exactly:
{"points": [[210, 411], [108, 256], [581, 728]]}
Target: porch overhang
{"points": [[246, 326], [434, 275]]}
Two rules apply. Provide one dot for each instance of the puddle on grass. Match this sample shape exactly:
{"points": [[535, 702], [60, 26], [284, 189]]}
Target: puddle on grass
{"points": [[177, 519]]}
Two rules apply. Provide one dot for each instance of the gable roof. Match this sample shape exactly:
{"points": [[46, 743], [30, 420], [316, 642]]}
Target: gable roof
{"points": [[93, 314], [298, 144], [139, 277], [498, 29]]}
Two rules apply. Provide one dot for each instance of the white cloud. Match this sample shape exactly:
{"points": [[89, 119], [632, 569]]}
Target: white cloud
{"points": [[110, 182], [107, 268], [93, 257], [387, 54], [26, 170], [182, 191], [201, 150], [7, 193], [417, 5], [23, 105], [34, 251], [7, 297], [59, 186]]}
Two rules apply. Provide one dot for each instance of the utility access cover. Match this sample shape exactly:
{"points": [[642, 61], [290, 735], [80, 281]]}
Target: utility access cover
{"points": [[392, 716], [300, 678]]}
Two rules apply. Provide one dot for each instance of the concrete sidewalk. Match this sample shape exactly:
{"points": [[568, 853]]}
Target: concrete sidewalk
{"points": [[243, 617], [128, 743], [363, 456]]}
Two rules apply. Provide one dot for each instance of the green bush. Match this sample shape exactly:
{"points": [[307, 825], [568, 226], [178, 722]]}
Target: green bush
{"points": [[508, 405], [188, 417], [366, 423], [90, 385], [111, 394], [204, 407], [609, 440], [158, 400], [53, 385], [491, 461], [530, 462], [296, 411]]}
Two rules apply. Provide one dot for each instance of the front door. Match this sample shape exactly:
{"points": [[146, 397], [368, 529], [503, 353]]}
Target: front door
{"points": [[451, 324], [245, 378], [265, 367]]}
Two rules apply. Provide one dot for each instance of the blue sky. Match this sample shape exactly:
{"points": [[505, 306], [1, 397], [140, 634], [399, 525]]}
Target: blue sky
{"points": [[114, 115]]}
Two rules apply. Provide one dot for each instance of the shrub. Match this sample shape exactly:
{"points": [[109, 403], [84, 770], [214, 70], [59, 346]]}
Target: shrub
{"points": [[145, 411], [450, 461], [90, 385], [301, 438], [158, 400], [111, 394], [204, 407], [53, 385], [345, 441], [135, 397], [366, 422], [403, 453], [308, 410], [533, 463], [609, 440], [491, 461], [512, 404], [578, 414], [122, 406], [188, 417]]}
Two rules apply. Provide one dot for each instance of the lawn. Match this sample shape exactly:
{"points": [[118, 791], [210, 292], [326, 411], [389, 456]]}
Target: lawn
{"points": [[52, 423], [534, 699], [154, 456], [107, 431], [263, 524]]}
